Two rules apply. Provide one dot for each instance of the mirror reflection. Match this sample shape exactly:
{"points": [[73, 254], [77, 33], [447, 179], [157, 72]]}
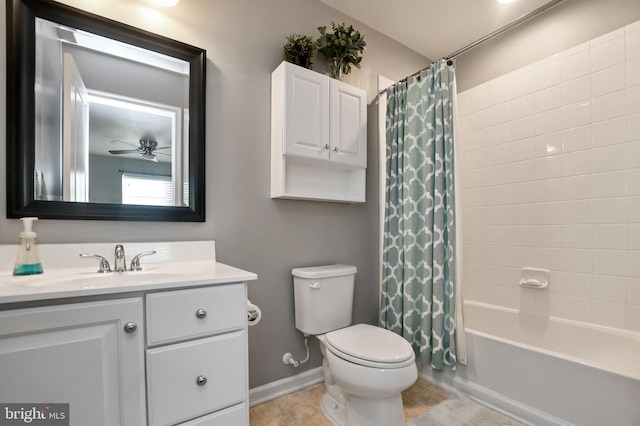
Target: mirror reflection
{"points": [[105, 136]]}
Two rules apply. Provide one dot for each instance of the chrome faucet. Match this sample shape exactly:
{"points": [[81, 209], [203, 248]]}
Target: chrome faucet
{"points": [[120, 264]]}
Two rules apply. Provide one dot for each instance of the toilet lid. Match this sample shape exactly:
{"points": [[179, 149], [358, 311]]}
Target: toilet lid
{"points": [[369, 345]]}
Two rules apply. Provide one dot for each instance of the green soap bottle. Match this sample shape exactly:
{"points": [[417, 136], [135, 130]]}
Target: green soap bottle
{"points": [[28, 261]]}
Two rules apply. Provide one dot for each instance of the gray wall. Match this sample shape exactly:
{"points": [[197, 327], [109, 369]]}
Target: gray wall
{"points": [[567, 25], [243, 39]]}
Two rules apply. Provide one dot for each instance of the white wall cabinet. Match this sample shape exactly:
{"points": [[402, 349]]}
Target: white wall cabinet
{"points": [[89, 354], [318, 136]]}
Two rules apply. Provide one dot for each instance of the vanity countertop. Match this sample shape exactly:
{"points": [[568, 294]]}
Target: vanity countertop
{"points": [[66, 275]]}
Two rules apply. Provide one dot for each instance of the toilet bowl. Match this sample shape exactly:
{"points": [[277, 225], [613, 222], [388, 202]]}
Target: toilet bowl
{"points": [[365, 367]]}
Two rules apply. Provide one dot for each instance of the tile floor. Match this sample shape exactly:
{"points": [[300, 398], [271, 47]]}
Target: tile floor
{"points": [[302, 408]]}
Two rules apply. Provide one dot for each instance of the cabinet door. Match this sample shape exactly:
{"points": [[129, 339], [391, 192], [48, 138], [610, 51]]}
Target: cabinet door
{"points": [[306, 113], [77, 354], [348, 124]]}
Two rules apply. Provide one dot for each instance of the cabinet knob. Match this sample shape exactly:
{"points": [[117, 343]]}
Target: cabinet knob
{"points": [[130, 327], [201, 380], [201, 313], [336, 149], [326, 146]]}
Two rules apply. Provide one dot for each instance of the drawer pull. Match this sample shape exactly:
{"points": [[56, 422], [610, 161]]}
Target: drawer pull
{"points": [[201, 380], [130, 327], [201, 313]]}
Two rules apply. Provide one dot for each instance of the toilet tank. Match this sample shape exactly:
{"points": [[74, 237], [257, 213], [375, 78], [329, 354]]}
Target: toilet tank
{"points": [[323, 297]]}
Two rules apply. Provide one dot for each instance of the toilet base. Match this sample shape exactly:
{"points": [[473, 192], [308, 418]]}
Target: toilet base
{"points": [[364, 412]]}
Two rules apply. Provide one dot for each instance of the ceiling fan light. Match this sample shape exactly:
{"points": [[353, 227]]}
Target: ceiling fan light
{"points": [[149, 157]]}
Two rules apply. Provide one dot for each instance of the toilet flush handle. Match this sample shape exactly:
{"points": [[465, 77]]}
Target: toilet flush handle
{"points": [[315, 284]]}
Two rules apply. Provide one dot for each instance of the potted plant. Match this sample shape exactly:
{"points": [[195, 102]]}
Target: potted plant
{"points": [[343, 48], [299, 50]]}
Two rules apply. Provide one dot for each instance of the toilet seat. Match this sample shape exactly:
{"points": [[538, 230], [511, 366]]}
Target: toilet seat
{"points": [[370, 346]]}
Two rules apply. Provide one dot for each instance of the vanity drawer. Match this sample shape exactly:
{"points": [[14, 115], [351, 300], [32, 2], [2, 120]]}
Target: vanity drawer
{"points": [[232, 416], [184, 314], [194, 378]]}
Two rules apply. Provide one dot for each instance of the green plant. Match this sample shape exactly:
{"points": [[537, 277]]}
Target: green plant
{"points": [[299, 50], [343, 47]]}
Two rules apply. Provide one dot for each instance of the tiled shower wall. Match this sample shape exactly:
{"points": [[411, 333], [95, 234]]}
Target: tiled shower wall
{"points": [[550, 161]]}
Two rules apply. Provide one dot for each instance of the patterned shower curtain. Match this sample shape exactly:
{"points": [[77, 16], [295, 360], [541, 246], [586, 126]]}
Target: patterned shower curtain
{"points": [[419, 251]]}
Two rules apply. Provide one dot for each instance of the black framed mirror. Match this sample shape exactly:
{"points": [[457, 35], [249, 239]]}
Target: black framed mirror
{"points": [[47, 175]]}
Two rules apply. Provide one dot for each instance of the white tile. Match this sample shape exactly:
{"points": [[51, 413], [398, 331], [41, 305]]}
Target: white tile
{"points": [[610, 132], [577, 260], [500, 113], [504, 276], [577, 187], [608, 37], [478, 99], [478, 139], [577, 163], [575, 50], [463, 100], [608, 314], [547, 75], [499, 154], [522, 107], [633, 44], [634, 26], [611, 237], [548, 167], [633, 128], [633, 263], [549, 144], [610, 288], [577, 138], [633, 318], [548, 258], [633, 209], [522, 214], [577, 236], [633, 236], [611, 105], [633, 72], [523, 235], [605, 53], [549, 236], [633, 154], [609, 210], [549, 190], [610, 158], [610, 262], [577, 285], [548, 213], [523, 149], [633, 291], [633, 100], [500, 91], [479, 120], [608, 80], [580, 211], [499, 134], [610, 184], [576, 90], [522, 256], [575, 115], [575, 66], [524, 193], [576, 308], [547, 99], [523, 128], [499, 195], [548, 122]]}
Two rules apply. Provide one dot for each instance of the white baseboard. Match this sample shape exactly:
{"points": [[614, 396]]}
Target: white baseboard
{"points": [[285, 386], [491, 399]]}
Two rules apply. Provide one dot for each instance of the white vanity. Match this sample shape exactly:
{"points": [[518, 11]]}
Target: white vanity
{"points": [[163, 346]]}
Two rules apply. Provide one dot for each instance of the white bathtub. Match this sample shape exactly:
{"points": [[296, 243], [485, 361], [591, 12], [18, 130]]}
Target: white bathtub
{"points": [[546, 370]]}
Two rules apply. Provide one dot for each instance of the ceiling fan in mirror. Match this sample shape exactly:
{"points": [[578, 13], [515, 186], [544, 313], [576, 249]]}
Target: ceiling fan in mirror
{"points": [[148, 149]]}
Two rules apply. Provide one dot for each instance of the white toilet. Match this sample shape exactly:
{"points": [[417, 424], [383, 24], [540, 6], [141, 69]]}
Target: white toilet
{"points": [[365, 367]]}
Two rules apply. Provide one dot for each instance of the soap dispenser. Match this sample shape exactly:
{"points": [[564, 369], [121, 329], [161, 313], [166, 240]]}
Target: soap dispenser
{"points": [[28, 261]]}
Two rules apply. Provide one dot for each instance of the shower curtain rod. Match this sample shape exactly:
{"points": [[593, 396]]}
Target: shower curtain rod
{"points": [[494, 34]]}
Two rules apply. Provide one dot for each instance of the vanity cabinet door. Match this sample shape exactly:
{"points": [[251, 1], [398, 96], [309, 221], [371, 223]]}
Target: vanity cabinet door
{"points": [[78, 354]]}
